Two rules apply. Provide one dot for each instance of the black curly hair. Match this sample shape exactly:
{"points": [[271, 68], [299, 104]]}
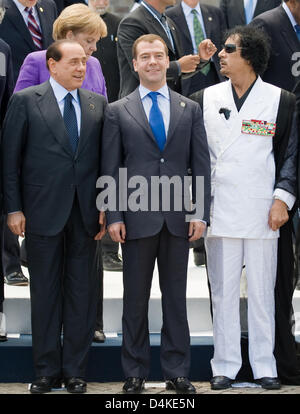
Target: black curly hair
{"points": [[255, 44]]}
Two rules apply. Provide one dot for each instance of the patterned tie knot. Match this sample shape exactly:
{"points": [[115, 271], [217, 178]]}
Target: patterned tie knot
{"points": [[297, 27], [68, 99], [194, 11], [29, 10]]}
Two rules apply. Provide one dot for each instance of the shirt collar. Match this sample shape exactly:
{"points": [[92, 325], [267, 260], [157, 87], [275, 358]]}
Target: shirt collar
{"points": [[20, 6], [157, 13], [164, 91], [289, 13], [187, 9], [60, 92]]}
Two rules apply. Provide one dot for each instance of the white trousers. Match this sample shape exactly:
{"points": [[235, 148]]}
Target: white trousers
{"points": [[225, 258]]}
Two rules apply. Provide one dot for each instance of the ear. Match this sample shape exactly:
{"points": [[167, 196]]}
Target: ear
{"points": [[134, 65], [168, 59], [52, 65], [70, 35]]}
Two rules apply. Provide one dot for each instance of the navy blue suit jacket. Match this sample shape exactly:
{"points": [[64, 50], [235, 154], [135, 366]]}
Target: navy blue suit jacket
{"points": [[15, 33]]}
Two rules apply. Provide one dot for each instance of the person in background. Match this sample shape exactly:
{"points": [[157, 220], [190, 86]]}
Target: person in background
{"points": [[241, 12]]}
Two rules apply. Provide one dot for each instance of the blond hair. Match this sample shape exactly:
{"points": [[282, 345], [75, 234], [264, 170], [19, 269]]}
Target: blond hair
{"points": [[78, 18]]}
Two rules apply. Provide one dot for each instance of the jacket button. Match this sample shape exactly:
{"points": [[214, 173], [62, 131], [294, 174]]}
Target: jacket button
{"points": [[162, 160]]}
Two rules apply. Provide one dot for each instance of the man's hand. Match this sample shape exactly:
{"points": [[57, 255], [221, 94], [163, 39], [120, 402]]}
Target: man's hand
{"points": [[102, 222], [117, 232], [206, 49], [189, 63], [16, 223], [278, 215], [196, 230]]}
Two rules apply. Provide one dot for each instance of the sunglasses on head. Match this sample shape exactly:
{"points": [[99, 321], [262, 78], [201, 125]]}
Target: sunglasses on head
{"points": [[231, 48]]}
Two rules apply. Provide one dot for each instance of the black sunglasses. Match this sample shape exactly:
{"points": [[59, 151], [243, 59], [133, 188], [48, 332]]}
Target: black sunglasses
{"points": [[231, 48]]}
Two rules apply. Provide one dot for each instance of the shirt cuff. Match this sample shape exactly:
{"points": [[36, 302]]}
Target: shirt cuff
{"points": [[288, 198]]}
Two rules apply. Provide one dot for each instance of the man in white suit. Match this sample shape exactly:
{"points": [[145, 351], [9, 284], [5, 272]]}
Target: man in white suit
{"points": [[253, 163]]}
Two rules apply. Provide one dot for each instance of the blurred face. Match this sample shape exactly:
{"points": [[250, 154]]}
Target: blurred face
{"points": [[28, 3], [87, 40], [69, 71], [151, 64], [231, 61], [294, 6], [99, 6]]}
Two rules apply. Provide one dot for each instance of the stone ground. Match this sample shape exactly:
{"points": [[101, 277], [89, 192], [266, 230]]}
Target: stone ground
{"points": [[152, 388]]}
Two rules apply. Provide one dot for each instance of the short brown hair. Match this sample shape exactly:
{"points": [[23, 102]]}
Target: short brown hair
{"points": [[150, 38], [78, 18]]}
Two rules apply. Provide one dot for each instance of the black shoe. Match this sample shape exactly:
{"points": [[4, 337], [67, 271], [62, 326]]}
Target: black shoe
{"points": [[75, 385], [99, 336], [16, 279], [44, 384], [220, 382], [133, 385], [269, 383], [181, 385], [112, 262], [3, 338]]}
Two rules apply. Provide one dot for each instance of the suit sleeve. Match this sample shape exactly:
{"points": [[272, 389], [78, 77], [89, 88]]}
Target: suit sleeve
{"points": [[29, 74], [112, 159], [13, 140], [200, 166]]}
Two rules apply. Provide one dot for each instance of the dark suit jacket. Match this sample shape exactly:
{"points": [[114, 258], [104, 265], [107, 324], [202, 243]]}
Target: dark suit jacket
{"points": [[107, 55], [134, 25], [128, 142], [234, 11], [284, 44], [214, 27], [40, 172], [14, 31], [6, 78]]}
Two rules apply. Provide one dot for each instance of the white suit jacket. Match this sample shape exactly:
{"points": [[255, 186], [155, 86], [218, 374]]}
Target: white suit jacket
{"points": [[243, 167]]}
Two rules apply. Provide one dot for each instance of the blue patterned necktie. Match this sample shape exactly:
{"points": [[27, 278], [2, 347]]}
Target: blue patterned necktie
{"points": [[297, 28], [156, 121], [71, 122]]}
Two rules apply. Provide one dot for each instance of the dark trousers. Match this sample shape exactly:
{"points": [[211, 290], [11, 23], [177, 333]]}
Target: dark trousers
{"points": [[99, 318], [138, 260], [64, 291]]}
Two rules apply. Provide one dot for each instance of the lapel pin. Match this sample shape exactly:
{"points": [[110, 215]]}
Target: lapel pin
{"points": [[210, 19], [41, 9], [92, 106], [182, 104]]}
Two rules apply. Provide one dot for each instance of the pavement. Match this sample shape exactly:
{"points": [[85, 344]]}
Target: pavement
{"points": [[115, 388]]}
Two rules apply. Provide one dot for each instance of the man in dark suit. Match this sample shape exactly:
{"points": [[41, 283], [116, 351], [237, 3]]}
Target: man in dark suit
{"points": [[241, 12], [143, 135], [150, 17], [6, 89], [50, 193], [18, 25], [209, 24], [281, 25]]}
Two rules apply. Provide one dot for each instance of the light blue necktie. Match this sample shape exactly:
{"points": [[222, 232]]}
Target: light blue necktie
{"points": [[297, 28], [248, 5], [156, 121], [71, 122]]}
